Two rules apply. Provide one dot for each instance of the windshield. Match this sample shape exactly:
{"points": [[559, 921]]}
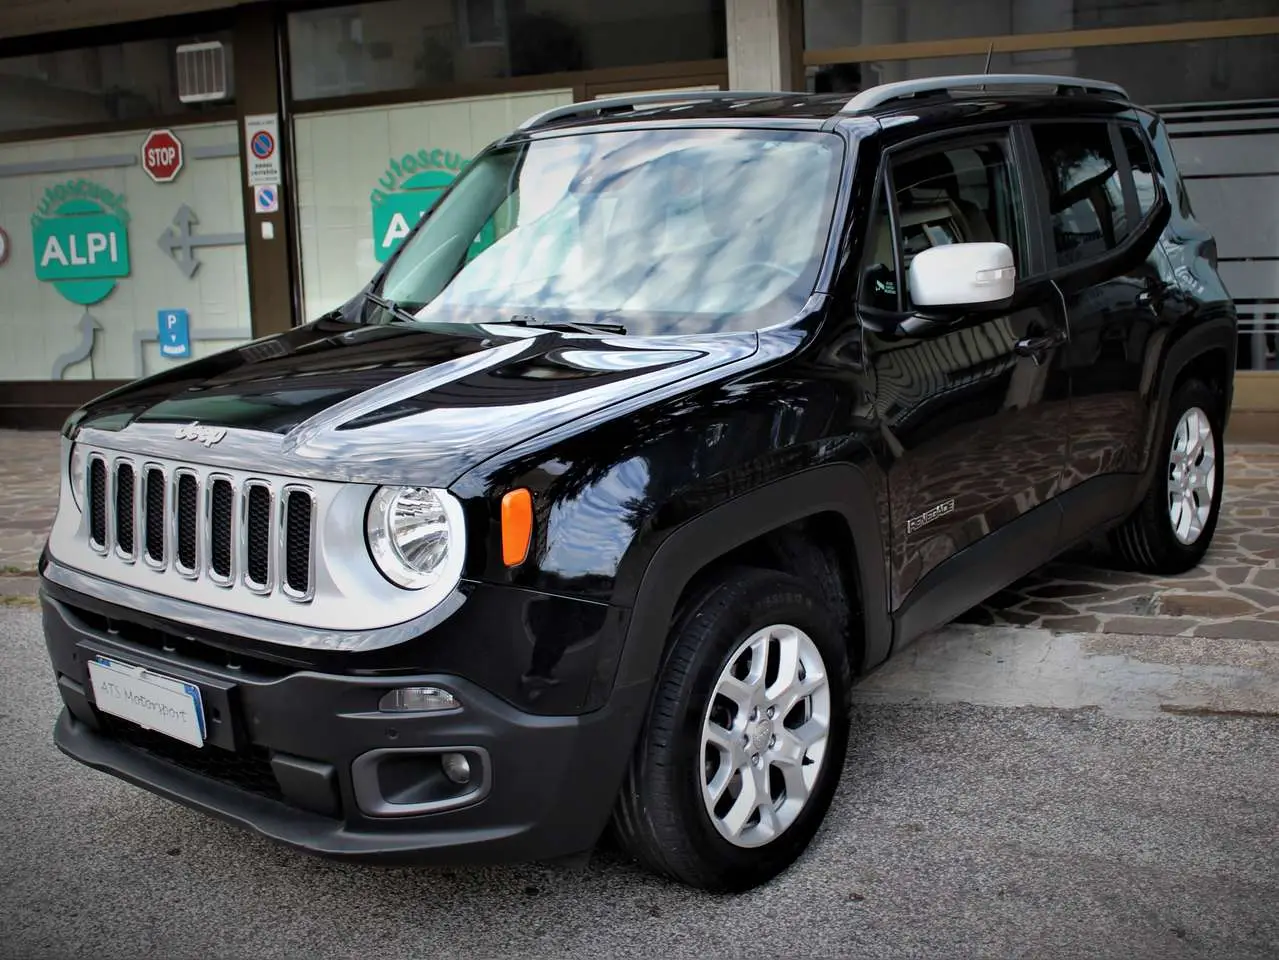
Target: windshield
{"points": [[662, 231]]}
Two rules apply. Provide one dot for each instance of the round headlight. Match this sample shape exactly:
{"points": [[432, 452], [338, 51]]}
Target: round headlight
{"points": [[76, 470], [409, 535]]}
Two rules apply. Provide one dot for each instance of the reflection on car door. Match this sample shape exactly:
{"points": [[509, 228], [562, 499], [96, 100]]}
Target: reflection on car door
{"points": [[975, 416], [1103, 244]]}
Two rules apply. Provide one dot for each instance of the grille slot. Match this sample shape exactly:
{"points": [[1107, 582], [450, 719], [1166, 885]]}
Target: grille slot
{"points": [[257, 509], [297, 542], [221, 534], [97, 503], [154, 516], [124, 509], [187, 518]]}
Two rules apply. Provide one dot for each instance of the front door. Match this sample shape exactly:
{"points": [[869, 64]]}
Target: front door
{"points": [[975, 416]]}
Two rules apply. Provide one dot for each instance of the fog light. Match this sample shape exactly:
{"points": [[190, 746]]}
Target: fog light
{"points": [[417, 699], [456, 767]]}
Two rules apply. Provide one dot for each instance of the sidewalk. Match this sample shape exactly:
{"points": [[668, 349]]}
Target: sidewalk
{"points": [[28, 496], [1235, 593]]}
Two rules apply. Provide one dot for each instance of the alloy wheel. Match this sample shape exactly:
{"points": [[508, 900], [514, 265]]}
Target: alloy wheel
{"points": [[764, 735], [1192, 475]]}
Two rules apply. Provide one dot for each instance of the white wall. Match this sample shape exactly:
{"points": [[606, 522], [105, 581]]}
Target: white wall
{"points": [[38, 324], [343, 154]]}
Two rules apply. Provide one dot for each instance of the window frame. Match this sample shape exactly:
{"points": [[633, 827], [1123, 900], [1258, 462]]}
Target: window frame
{"points": [[1030, 259]]}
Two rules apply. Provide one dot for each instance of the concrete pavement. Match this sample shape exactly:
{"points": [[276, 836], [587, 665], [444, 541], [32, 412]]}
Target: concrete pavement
{"points": [[991, 817]]}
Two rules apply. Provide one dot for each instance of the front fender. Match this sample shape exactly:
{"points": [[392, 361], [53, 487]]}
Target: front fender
{"points": [[662, 569], [629, 508]]}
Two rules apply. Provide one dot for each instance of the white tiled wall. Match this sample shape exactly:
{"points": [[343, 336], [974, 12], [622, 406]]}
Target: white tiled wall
{"points": [[342, 154], [37, 324]]}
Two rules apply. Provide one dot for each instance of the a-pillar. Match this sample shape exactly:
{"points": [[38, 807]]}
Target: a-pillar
{"points": [[765, 44]]}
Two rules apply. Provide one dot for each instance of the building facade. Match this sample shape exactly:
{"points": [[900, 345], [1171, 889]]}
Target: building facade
{"points": [[179, 176]]}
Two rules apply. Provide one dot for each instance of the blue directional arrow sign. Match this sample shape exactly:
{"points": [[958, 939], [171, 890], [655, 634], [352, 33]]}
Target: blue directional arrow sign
{"points": [[174, 333]]}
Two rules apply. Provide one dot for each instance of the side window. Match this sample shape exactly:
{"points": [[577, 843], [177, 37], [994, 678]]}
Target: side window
{"points": [[879, 274], [1143, 172], [1085, 196], [955, 194]]}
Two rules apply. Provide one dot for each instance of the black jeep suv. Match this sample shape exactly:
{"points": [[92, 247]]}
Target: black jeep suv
{"points": [[674, 414]]}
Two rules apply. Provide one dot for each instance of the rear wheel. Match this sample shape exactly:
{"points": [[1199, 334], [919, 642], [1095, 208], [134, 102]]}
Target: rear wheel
{"points": [[1173, 527], [745, 740]]}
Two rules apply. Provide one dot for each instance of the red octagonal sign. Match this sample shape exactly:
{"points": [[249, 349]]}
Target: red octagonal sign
{"points": [[162, 156]]}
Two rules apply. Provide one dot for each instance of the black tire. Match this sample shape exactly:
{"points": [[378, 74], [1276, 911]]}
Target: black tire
{"points": [[1146, 541], [660, 817]]}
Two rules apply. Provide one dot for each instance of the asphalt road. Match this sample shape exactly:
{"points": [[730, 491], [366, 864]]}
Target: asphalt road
{"points": [[960, 830]]}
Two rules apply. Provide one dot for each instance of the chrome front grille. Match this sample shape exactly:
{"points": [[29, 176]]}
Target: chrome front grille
{"points": [[200, 524]]}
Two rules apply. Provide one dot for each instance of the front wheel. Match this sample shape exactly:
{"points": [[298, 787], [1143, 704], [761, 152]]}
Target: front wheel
{"points": [[1172, 528], [746, 736]]}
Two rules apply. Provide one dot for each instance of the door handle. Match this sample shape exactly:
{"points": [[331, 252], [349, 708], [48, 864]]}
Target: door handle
{"points": [[1036, 347]]}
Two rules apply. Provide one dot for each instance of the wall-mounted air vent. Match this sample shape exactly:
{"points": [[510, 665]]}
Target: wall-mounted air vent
{"points": [[204, 72]]}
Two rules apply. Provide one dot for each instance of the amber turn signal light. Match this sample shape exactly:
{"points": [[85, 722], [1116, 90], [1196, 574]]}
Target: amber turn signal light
{"points": [[517, 526]]}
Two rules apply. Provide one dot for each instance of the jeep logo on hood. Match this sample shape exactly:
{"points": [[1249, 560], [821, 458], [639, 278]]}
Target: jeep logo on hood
{"points": [[205, 435]]}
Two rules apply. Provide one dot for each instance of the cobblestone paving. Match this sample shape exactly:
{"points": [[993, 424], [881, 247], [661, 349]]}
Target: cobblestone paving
{"points": [[1235, 593], [28, 496]]}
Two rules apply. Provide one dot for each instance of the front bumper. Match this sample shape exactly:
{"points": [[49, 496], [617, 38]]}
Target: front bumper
{"points": [[306, 758]]}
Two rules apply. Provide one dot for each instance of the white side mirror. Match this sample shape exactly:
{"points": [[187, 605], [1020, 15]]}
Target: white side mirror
{"points": [[960, 274]]}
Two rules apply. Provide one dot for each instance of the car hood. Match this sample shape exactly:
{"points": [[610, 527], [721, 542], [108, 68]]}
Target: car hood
{"points": [[418, 403]]}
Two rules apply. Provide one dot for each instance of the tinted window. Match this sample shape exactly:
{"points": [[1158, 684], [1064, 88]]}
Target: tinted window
{"points": [[957, 194], [104, 84], [879, 283], [1085, 196], [1143, 174], [363, 48]]}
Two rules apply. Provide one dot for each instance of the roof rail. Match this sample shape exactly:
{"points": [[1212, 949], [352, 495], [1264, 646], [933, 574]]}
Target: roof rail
{"points": [[884, 93], [597, 107]]}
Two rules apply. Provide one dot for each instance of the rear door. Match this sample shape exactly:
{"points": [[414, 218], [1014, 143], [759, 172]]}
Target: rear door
{"points": [[975, 416], [1102, 238]]}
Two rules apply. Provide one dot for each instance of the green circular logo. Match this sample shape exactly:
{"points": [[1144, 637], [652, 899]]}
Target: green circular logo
{"points": [[81, 242]]}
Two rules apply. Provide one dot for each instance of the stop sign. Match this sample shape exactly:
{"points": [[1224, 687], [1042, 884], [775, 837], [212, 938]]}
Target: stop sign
{"points": [[162, 156]]}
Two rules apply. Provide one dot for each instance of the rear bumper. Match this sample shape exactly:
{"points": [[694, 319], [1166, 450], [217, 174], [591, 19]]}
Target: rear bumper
{"points": [[307, 759]]}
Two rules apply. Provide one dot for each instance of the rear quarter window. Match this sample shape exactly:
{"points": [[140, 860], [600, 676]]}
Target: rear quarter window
{"points": [[1143, 171], [1085, 192]]}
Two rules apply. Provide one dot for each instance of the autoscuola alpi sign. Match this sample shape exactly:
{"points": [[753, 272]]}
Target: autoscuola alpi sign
{"points": [[80, 239]]}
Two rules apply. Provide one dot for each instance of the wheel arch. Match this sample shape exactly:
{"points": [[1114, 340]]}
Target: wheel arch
{"points": [[1205, 351], [823, 522]]}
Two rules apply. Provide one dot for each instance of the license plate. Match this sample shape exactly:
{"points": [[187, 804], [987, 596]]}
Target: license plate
{"points": [[159, 703]]}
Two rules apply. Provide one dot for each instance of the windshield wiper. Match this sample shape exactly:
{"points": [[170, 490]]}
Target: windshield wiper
{"points": [[585, 326], [390, 305]]}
